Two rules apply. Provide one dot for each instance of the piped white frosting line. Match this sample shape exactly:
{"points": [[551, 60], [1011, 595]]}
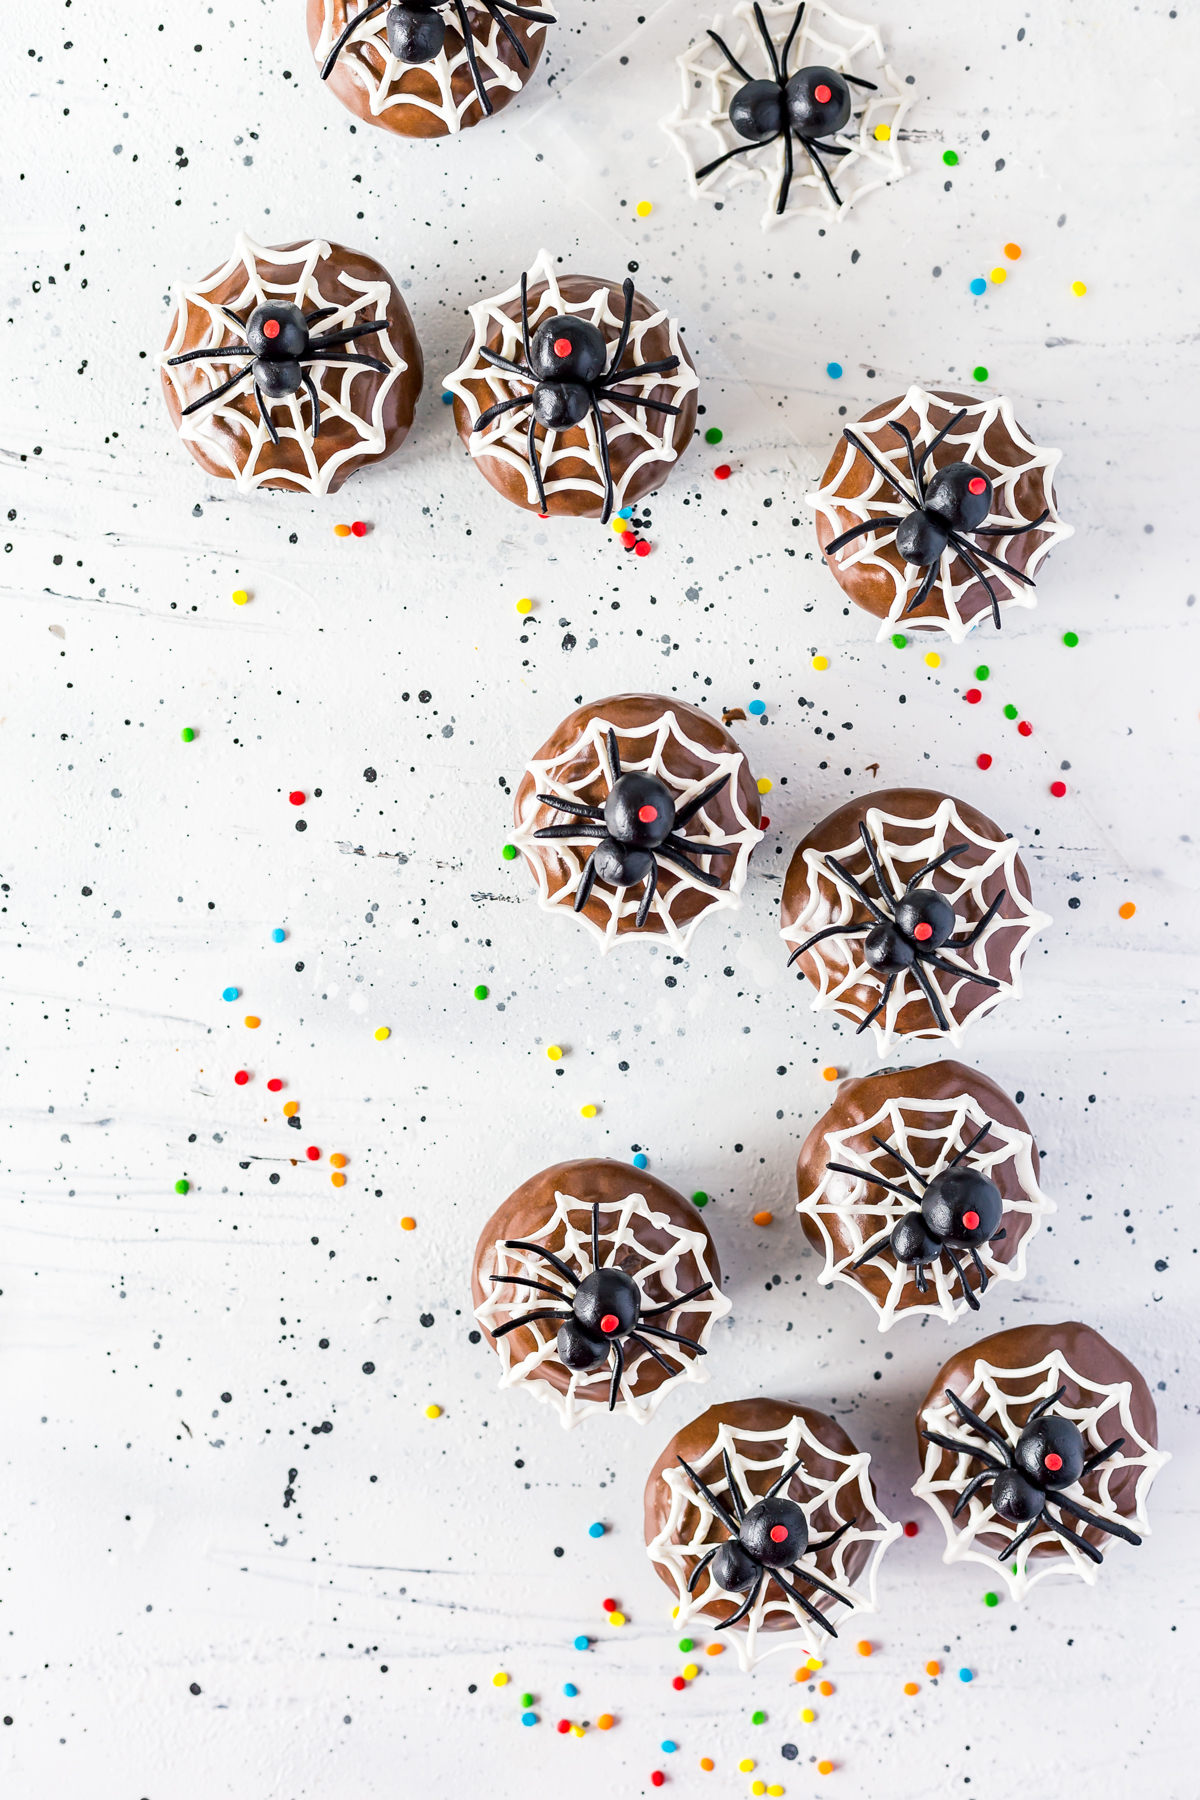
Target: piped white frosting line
{"points": [[967, 441], [587, 1393], [623, 419], [848, 1493], [383, 90], [334, 385], [928, 1133], [940, 829], [591, 747], [700, 130], [1106, 1415]]}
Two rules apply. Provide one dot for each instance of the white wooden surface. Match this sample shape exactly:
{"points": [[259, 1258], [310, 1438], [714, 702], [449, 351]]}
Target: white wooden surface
{"points": [[146, 1542]]}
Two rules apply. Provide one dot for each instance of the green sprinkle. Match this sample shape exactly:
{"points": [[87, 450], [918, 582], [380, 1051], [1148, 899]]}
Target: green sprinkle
{"points": [[182, 1187], [1070, 639], [526, 1699], [481, 992], [899, 639], [686, 1644], [950, 158], [1010, 712], [758, 1718], [982, 672], [713, 436], [991, 1599], [980, 373], [508, 852], [699, 1198], [187, 734]]}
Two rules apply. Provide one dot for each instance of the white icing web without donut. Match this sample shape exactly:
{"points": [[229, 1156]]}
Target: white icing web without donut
{"points": [[929, 1133], [940, 829], [382, 89], [587, 1393], [334, 385], [847, 1493], [592, 745], [700, 129], [508, 442], [1107, 1415], [967, 441]]}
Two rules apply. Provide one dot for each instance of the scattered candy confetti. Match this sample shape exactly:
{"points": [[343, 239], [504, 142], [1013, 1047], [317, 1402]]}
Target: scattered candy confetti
{"points": [[447, 399], [230, 993], [722, 472], [187, 734], [312, 1153], [525, 605], [382, 1032], [644, 209], [764, 784], [564, 1725], [554, 1052], [834, 371], [359, 528], [337, 1160], [758, 1718], [278, 935], [965, 1675], [616, 1618], [763, 1218], [596, 1530], [605, 1721], [863, 1647], [746, 1765], [950, 158], [500, 1680], [824, 1768], [570, 1690], [290, 1108], [912, 1687], [642, 548], [582, 1642], [1025, 728], [626, 512], [826, 1688], [657, 1778], [526, 1699], [829, 1074], [588, 1112], [252, 1021], [433, 1412], [407, 1224], [999, 275], [699, 1198], [1079, 289], [982, 672], [1010, 711], [297, 797], [979, 285], [973, 696], [933, 660], [991, 1599], [341, 531], [509, 852], [899, 640], [713, 435], [1012, 251], [758, 1787], [690, 1671], [678, 1683], [239, 596], [882, 133], [983, 760], [1127, 909], [757, 706], [820, 662], [1070, 639], [979, 374], [1058, 789], [669, 1745], [242, 1077], [529, 1718], [182, 1187], [911, 1528], [707, 1764], [933, 1668], [808, 1716], [481, 993], [686, 1644], [641, 1160]]}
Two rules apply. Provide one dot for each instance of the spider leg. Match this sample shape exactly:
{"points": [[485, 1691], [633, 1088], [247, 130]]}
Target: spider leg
{"points": [[504, 362], [814, 1612], [623, 339], [525, 321], [876, 866], [554, 1261], [967, 551], [614, 754], [727, 53], [945, 1443], [930, 990], [696, 1573], [663, 365], [989, 915], [816, 1581], [968, 1292], [785, 185], [872, 1251], [880, 1004], [726, 1517], [602, 444], [322, 312], [903, 1160], [636, 400], [234, 320], [984, 1277], [676, 1337], [905, 435], [980, 574], [211, 355], [685, 862], [571, 831], [264, 413], [528, 1319], [839, 543], [919, 1278], [811, 147], [935, 441], [787, 43], [527, 12], [740, 150], [508, 31], [971, 1489], [647, 900], [705, 1287], [1093, 1462], [1027, 1532], [735, 1493], [1091, 1518], [1073, 1537], [580, 808], [614, 1389], [926, 588], [340, 42], [879, 466], [216, 393], [744, 1608], [967, 1148], [485, 105], [586, 880], [766, 38], [985, 1430], [493, 412], [858, 890], [658, 1356], [948, 968], [311, 385], [595, 1234], [347, 356], [699, 846], [867, 1175], [826, 1543], [1016, 530], [929, 867], [858, 82], [782, 1481], [1043, 1406], [543, 1287], [329, 340], [685, 814], [829, 931], [535, 464]]}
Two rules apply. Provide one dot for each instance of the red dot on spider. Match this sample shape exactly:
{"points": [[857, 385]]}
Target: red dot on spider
{"points": [[609, 1322], [971, 1220], [271, 328], [778, 1533], [647, 814], [562, 346], [823, 93], [921, 932], [977, 485], [1054, 1463]]}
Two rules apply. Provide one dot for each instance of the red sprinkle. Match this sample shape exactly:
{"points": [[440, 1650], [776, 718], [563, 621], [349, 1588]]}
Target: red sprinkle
{"points": [[1058, 789], [312, 1153], [984, 761], [274, 1084], [1025, 728], [297, 797], [679, 1684], [242, 1077], [657, 1778], [764, 823], [722, 471], [973, 696], [564, 1725], [610, 1606], [911, 1528], [642, 548], [629, 539], [359, 528]]}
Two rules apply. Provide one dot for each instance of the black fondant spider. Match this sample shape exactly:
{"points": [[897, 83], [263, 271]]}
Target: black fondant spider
{"points": [[920, 925], [809, 105], [640, 822], [765, 1537], [1049, 1455], [279, 339], [957, 498], [570, 372], [960, 1209], [606, 1308], [417, 31]]}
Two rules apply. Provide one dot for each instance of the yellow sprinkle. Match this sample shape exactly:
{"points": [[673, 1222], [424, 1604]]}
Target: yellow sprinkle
{"points": [[500, 1680], [765, 784], [820, 662], [555, 1052], [252, 1022], [291, 1108], [239, 596], [882, 133], [808, 1715], [407, 1224], [620, 525], [433, 1412], [616, 1618], [758, 1787], [775, 1788], [588, 1112], [933, 660], [338, 1160], [815, 1663], [644, 209], [690, 1671], [674, 1612], [577, 1731], [999, 275], [1079, 289], [746, 1764], [525, 606], [383, 1032], [338, 1179]]}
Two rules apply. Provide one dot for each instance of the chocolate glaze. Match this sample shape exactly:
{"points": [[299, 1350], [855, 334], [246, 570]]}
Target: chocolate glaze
{"points": [[871, 587], [909, 803], [860, 1099], [623, 451], [526, 1212], [694, 1440], [1096, 1360], [635, 710], [418, 79], [335, 434]]}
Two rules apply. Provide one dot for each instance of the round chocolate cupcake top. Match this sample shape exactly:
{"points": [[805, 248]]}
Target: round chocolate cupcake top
{"points": [[333, 308], [598, 1286], [1055, 1427], [910, 913], [1014, 480], [794, 1563], [647, 418], [445, 92], [910, 1128], [567, 808]]}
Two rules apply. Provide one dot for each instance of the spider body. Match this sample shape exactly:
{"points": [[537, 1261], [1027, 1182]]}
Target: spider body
{"points": [[569, 372], [913, 931], [279, 341], [960, 1211], [1027, 1477], [766, 1537], [808, 106], [416, 33], [638, 823], [953, 501], [606, 1311]]}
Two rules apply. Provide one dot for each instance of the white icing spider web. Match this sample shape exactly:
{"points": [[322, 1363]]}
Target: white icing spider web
{"points": [[591, 748], [1107, 1415], [967, 441], [587, 1392], [847, 1493], [947, 1126], [508, 442], [700, 129], [334, 385], [382, 88], [941, 829]]}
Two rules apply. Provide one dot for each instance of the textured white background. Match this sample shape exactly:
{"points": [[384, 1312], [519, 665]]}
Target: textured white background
{"points": [[146, 1543]]}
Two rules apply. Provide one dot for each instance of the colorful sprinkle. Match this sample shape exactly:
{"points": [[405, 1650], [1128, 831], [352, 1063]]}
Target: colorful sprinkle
{"points": [[564, 1725], [758, 1787], [829, 1074], [824, 1768], [882, 133], [589, 1111], [933, 660], [605, 1722], [965, 1675], [1013, 252], [1127, 909], [1070, 639], [690, 1671], [481, 992], [616, 1618], [433, 1412], [628, 537], [746, 1765], [642, 548], [722, 472], [230, 993], [582, 1642], [239, 596], [979, 285], [820, 662], [950, 158], [252, 1022], [758, 1718], [899, 640], [1010, 711], [982, 672], [644, 209], [382, 1032], [714, 1650], [290, 1108], [973, 696], [834, 371], [596, 1530], [570, 1690], [1025, 728], [999, 275], [529, 1718], [337, 1160], [707, 1764], [991, 1599], [911, 1528], [554, 1052], [764, 784], [447, 399], [933, 1668], [756, 707], [640, 1160], [278, 935], [669, 1745], [826, 1688], [979, 374], [626, 512], [657, 1778], [407, 1224], [359, 528], [297, 797], [1058, 789], [912, 1687], [1079, 289], [808, 1716], [686, 1644], [183, 1187], [983, 760], [763, 1218], [187, 734], [713, 435], [242, 1077], [500, 1680], [678, 1683], [526, 1699], [863, 1647], [341, 531], [312, 1153], [525, 606], [700, 1198]]}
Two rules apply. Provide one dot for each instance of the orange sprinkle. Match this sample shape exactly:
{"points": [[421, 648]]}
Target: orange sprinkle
{"points": [[763, 1218], [863, 1647], [713, 1649], [933, 1668], [1013, 252], [407, 1224], [824, 1768], [291, 1108], [829, 1074], [338, 1179], [341, 531], [605, 1721], [826, 1688], [1127, 910], [707, 1764], [338, 1160], [254, 1023], [911, 1687]]}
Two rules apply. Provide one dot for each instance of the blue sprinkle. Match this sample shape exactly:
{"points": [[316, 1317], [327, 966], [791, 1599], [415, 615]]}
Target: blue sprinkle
{"points": [[447, 399], [979, 285], [596, 1530], [570, 1690], [278, 935], [529, 1718], [640, 1160], [965, 1675], [757, 706], [834, 371], [582, 1643], [626, 512], [230, 993], [669, 1744]]}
